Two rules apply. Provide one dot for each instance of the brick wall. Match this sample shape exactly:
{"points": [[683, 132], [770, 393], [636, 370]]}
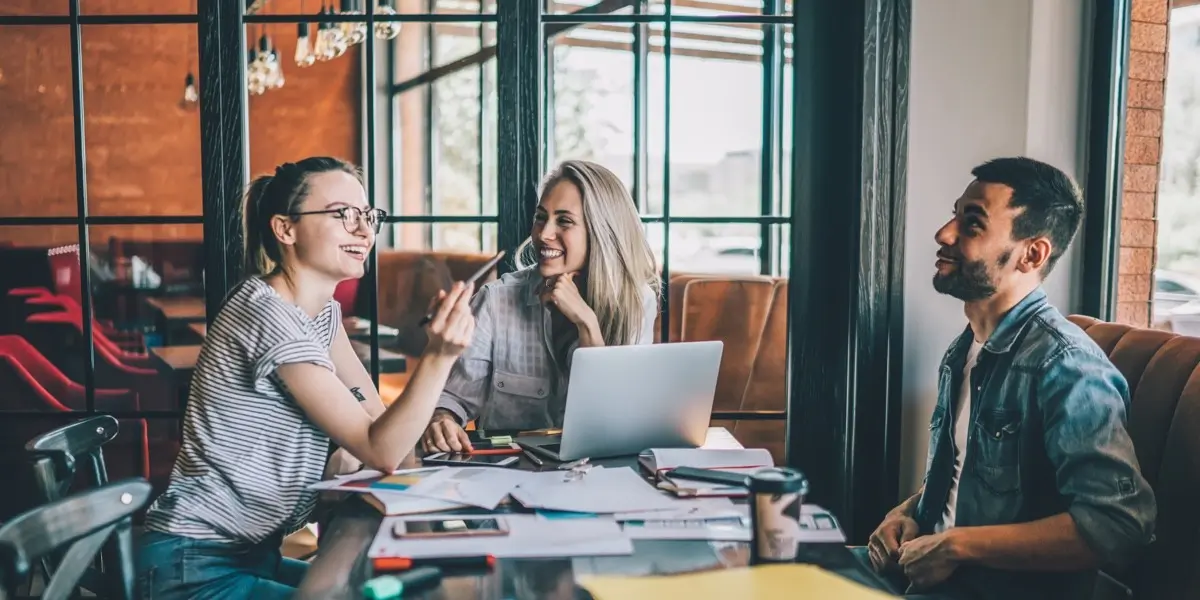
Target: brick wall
{"points": [[1143, 150], [143, 149]]}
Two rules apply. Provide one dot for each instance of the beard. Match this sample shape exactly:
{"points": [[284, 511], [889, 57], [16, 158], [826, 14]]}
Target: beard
{"points": [[970, 281]]}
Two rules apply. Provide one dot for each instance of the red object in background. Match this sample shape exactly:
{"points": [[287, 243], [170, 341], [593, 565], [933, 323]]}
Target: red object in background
{"points": [[31, 380], [53, 387], [346, 293]]}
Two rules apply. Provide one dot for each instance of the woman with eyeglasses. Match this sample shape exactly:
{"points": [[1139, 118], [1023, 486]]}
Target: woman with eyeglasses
{"points": [[276, 381], [590, 280]]}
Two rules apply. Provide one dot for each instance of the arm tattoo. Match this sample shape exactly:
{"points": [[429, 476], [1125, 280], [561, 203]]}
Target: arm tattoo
{"points": [[358, 394]]}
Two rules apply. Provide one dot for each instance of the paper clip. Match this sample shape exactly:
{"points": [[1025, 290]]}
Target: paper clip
{"points": [[576, 470]]}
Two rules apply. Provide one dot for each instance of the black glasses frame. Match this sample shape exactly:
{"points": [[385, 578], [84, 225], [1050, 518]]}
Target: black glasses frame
{"points": [[374, 216]]}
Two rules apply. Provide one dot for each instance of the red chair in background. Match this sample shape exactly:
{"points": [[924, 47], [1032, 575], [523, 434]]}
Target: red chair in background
{"points": [[32, 382], [68, 296]]}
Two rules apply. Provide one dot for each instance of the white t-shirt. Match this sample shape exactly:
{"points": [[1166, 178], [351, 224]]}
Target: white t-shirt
{"points": [[962, 424]]}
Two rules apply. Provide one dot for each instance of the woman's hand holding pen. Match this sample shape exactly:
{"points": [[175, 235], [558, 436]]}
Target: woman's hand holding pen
{"points": [[453, 324]]}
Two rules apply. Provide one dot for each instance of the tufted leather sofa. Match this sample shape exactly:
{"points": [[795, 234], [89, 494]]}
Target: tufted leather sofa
{"points": [[1164, 422]]}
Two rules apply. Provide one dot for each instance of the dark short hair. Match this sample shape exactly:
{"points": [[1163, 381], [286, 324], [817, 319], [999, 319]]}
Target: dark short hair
{"points": [[1052, 203]]}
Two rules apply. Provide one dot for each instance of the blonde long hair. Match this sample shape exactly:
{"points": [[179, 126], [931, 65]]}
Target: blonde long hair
{"points": [[620, 264]]}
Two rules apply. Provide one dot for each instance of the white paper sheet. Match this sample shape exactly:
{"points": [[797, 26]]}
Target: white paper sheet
{"points": [[528, 537], [599, 491], [484, 487]]}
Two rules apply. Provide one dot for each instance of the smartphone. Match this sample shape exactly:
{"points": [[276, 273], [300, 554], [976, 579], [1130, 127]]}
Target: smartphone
{"points": [[476, 460], [488, 266], [709, 476], [464, 527]]}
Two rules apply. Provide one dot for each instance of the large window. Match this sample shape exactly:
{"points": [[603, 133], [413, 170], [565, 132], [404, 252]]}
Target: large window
{"points": [[1176, 290], [111, 183], [101, 227]]}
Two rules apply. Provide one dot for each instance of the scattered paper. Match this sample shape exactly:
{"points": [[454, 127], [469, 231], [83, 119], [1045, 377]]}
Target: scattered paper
{"points": [[484, 487], [368, 480], [598, 491], [528, 537], [400, 503]]}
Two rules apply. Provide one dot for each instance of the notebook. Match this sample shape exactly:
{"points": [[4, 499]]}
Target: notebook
{"points": [[742, 461], [657, 460]]}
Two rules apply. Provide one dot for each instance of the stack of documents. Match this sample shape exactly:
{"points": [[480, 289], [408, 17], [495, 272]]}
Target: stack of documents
{"points": [[656, 460]]}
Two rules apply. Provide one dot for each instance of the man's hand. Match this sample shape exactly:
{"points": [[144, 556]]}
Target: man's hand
{"points": [[929, 560], [883, 547], [444, 434]]}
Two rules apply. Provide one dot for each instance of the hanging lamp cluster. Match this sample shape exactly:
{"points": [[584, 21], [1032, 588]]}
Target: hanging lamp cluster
{"points": [[332, 40], [264, 69]]}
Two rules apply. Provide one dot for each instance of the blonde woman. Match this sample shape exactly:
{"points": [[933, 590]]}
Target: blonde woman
{"points": [[592, 282]]}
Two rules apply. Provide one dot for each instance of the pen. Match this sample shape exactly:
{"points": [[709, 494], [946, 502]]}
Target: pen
{"points": [[387, 587], [449, 562], [476, 275], [532, 457]]}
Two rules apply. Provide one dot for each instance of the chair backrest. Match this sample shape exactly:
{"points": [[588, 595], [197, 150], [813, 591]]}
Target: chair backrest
{"points": [[64, 264], [77, 528], [408, 281], [48, 376], [1163, 372], [743, 303], [56, 454]]}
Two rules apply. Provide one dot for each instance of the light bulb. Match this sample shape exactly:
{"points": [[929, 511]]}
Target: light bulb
{"points": [[353, 33], [276, 71], [320, 44], [190, 94], [386, 30], [335, 41], [304, 53]]}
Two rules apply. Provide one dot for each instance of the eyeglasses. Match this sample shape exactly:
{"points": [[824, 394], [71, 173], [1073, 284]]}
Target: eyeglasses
{"points": [[351, 216]]}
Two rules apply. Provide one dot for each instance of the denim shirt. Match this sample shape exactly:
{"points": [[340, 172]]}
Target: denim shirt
{"points": [[1047, 436]]}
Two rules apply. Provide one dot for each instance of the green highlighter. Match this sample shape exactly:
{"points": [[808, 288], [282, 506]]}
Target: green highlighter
{"points": [[389, 587]]}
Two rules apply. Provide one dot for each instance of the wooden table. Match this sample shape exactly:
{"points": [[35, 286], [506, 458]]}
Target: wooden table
{"points": [[349, 526], [176, 359], [178, 308]]}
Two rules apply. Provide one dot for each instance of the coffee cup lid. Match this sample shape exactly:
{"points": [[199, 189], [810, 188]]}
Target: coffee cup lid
{"points": [[778, 480]]}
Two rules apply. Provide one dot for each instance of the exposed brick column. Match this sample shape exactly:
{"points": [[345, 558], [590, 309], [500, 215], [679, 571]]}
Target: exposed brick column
{"points": [[1143, 151]]}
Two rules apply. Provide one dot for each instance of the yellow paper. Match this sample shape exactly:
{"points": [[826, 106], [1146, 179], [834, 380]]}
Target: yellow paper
{"points": [[766, 582]]}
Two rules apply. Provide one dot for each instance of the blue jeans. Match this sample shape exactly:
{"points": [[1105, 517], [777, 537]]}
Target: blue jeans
{"points": [[170, 566]]}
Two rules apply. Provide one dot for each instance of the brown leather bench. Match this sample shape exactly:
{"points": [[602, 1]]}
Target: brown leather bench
{"points": [[1164, 422], [748, 313]]}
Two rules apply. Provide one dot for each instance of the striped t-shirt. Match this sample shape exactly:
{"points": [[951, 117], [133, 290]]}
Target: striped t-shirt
{"points": [[248, 450]]}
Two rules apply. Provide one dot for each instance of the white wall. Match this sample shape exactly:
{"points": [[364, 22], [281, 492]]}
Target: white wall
{"points": [[989, 78]]}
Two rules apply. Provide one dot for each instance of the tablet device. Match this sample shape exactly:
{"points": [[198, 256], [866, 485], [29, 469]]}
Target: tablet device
{"points": [[462, 459]]}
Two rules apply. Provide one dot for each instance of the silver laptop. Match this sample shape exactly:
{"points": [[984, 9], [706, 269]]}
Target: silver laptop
{"points": [[622, 400]]}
